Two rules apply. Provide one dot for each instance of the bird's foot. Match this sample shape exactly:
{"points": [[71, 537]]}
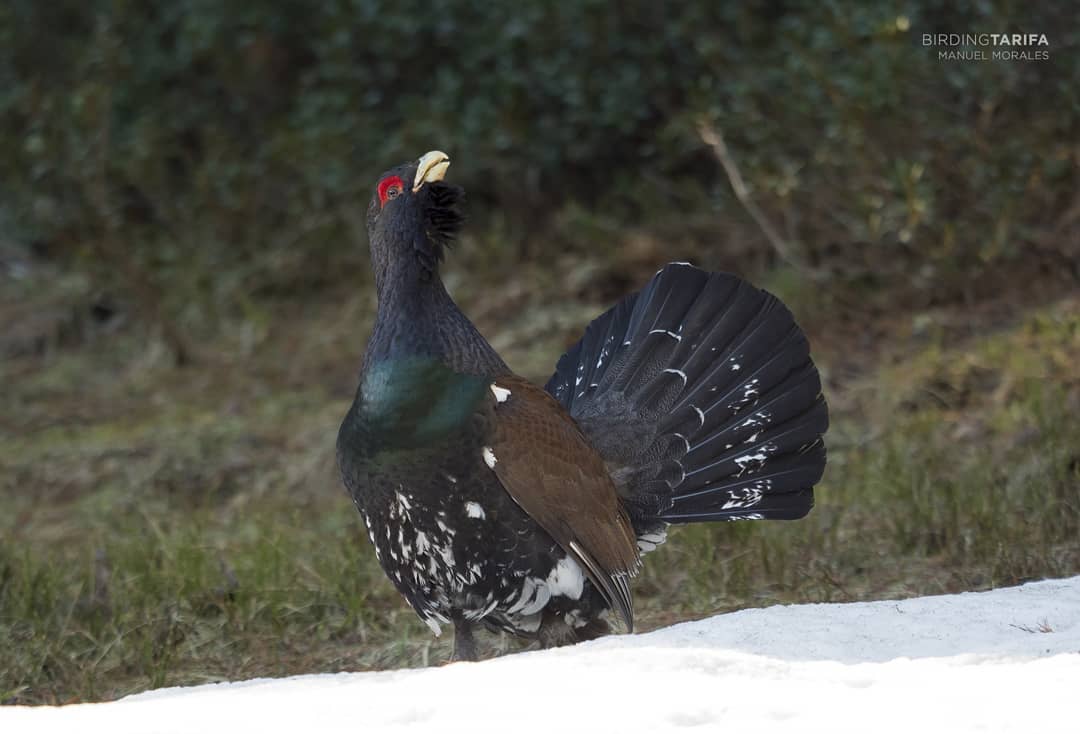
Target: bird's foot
{"points": [[464, 643]]}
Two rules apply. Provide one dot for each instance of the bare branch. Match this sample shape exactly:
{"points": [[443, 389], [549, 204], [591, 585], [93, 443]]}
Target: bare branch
{"points": [[714, 138]]}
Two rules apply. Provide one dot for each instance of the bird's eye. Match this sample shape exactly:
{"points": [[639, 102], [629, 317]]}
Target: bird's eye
{"points": [[390, 187]]}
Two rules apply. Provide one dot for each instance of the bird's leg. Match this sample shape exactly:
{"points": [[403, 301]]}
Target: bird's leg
{"points": [[555, 632], [464, 644]]}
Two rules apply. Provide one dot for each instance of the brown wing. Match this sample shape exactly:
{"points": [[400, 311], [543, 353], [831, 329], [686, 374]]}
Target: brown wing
{"points": [[545, 463]]}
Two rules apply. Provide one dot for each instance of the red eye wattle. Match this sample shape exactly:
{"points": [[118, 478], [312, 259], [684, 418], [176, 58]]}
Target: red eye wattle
{"points": [[390, 188]]}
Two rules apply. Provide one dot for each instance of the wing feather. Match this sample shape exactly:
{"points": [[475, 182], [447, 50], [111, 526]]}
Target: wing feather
{"points": [[551, 471]]}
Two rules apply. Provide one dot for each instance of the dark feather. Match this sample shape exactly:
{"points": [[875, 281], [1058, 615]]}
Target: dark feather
{"points": [[443, 219], [547, 466], [700, 394]]}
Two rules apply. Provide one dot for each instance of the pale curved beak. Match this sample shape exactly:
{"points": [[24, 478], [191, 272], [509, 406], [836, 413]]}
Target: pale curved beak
{"points": [[432, 167]]}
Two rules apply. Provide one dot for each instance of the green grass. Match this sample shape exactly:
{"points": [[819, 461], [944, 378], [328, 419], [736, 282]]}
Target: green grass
{"points": [[169, 526]]}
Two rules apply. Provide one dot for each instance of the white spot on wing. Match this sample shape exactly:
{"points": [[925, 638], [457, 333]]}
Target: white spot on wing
{"points": [[756, 459], [489, 457], [473, 509]]}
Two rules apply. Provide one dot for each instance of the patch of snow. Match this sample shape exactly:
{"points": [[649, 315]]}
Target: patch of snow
{"points": [[1003, 661]]}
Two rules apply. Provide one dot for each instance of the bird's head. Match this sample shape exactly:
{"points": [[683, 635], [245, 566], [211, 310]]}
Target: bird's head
{"points": [[413, 217]]}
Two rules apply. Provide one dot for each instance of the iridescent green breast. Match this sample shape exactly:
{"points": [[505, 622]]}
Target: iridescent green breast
{"points": [[414, 401]]}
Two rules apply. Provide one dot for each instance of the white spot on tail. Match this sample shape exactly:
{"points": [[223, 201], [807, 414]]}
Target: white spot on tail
{"points": [[500, 393], [744, 460], [680, 373], [700, 415], [672, 334], [473, 509], [747, 516], [755, 460], [489, 457], [743, 498], [670, 264], [685, 441]]}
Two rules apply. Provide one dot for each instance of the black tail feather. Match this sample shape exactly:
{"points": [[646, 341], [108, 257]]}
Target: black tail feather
{"points": [[700, 393]]}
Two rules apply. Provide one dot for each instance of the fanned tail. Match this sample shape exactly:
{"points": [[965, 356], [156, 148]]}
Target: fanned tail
{"points": [[700, 394]]}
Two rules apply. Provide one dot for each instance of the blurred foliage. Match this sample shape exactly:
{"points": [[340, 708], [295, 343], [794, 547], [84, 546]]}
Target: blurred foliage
{"points": [[196, 155]]}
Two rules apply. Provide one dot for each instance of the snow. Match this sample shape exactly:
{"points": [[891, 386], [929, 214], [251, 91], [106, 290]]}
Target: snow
{"points": [[966, 662]]}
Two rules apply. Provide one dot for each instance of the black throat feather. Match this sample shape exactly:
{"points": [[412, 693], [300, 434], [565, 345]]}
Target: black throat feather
{"points": [[443, 220], [417, 318]]}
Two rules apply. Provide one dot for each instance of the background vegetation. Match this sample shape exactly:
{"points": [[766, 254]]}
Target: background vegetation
{"points": [[184, 295]]}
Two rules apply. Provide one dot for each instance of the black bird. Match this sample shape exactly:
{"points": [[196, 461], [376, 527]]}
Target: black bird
{"points": [[493, 502]]}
